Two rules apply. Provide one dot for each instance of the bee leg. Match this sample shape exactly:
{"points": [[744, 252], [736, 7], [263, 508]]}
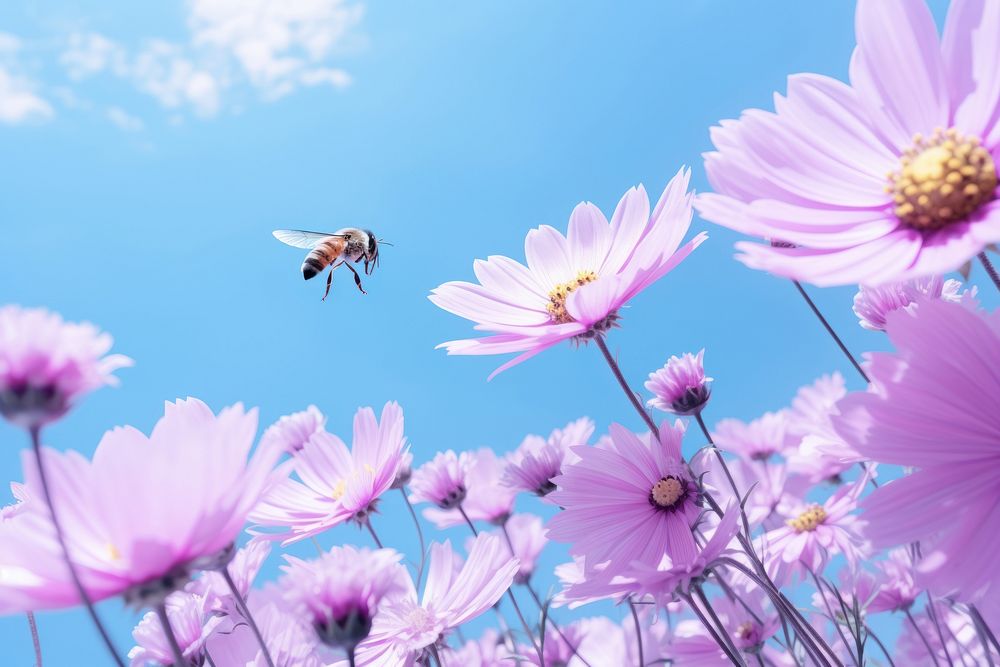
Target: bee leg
{"points": [[329, 281], [357, 278]]}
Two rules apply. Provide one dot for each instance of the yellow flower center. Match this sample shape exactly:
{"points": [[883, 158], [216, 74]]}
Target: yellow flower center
{"points": [[112, 551], [808, 520], [941, 179], [338, 489], [561, 292], [666, 492]]}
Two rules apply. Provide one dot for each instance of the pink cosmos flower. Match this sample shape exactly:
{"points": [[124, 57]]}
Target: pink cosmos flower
{"points": [[486, 498], [680, 387], [573, 285], [751, 621], [243, 569], [526, 533], [442, 480], [812, 533], [191, 624], [767, 489], [821, 454], [405, 471], [588, 641], [145, 512], [897, 590], [888, 178], [290, 641], [758, 440], [647, 503], [537, 460], [958, 643], [487, 651], [933, 407], [47, 364], [454, 594], [341, 592], [872, 304], [335, 484], [292, 432]]}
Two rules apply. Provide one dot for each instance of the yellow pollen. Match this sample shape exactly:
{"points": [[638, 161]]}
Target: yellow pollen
{"points": [[942, 178], [338, 489], [559, 294], [370, 470], [808, 520], [667, 491], [112, 550]]}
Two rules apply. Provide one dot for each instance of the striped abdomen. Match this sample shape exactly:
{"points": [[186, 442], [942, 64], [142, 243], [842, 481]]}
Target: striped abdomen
{"points": [[322, 256]]}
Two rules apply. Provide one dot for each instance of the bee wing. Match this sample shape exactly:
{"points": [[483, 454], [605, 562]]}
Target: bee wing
{"points": [[300, 238]]}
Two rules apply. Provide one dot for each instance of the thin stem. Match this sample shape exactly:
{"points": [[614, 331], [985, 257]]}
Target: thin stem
{"points": [[368, 525], [729, 475], [36, 445], [718, 623], [880, 645], [829, 330], [241, 605], [468, 521], [541, 607], [350, 657], [932, 613], [420, 535], [316, 544], [208, 658], [923, 638], [736, 660], [986, 635], [832, 615], [617, 371], [990, 269], [35, 643], [638, 631], [168, 632], [437, 656]]}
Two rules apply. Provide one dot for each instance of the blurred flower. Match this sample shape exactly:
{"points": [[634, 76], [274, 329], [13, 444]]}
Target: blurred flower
{"points": [[527, 540], [955, 643], [341, 591], [289, 640], [897, 590], [821, 454], [292, 432], [680, 386], [932, 406], [144, 513], [758, 440], [750, 619], [487, 651], [872, 304], [766, 489], [573, 285], [536, 461], [243, 569], [191, 624], [812, 532], [486, 498], [337, 484], [47, 364], [588, 641], [442, 480], [454, 594], [405, 471], [814, 173], [645, 507]]}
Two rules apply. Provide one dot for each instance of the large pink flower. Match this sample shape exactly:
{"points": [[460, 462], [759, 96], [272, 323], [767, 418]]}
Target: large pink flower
{"points": [[337, 484], [890, 177], [143, 513], [46, 364], [933, 406], [573, 285]]}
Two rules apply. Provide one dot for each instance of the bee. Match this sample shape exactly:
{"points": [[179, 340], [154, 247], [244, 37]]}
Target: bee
{"points": [[340, 248]]}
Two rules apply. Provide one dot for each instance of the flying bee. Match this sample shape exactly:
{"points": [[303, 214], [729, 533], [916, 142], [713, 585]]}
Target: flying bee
{"points": [[340, 248]]}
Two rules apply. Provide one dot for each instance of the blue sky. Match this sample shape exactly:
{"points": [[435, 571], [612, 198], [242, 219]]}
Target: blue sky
{"points": [[151, 151]]}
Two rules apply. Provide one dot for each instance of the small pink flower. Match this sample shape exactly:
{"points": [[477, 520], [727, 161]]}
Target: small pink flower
{"points": [[957, 642], [442, 480], [290, 641], [537, 460], [337, 484], [454, 594], [932, 406], [888, 178], [292, 432], [47, 364], [145, 512], [342, 591], [821, 454], [191, 623], [632, 502], [873, 304], [765, 488], [897, 590], [574, 285], [486, 498], [758, 440], [680, 386], [487, 651], [527, 540], [597, 640]]}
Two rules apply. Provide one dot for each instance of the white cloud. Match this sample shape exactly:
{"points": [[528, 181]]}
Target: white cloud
{"points": [[19, 98], [267, 47], [124, 120]]}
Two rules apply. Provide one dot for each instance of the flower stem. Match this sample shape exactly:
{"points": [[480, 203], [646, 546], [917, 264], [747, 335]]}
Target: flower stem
{"points": [[420, 536], [923, 638], [35, 643], [990, 269], [718, 623], [729, 475], [829, 611], [829, 330], [350, 657], [932, 613], [36, 445], [986, 635], [168, 632], [541, 607], [437, 656], [880, 645], [368, 525], [468, 521], [638, 630], [617, 371], [736, 659], [241, 605]]}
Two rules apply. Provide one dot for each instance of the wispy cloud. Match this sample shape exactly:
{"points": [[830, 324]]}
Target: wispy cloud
{"points": [[124, 120], [20, 101]]}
